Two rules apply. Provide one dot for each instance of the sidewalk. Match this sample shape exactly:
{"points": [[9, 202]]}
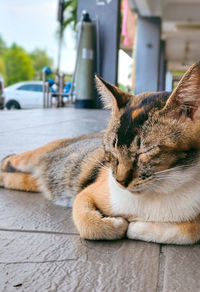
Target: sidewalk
{"points": [[40, 249]]}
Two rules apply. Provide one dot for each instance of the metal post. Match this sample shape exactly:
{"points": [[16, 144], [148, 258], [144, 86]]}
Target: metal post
{"points": [[61, 8], [44, 87], [50, 99], [147, 54], [60, 89], [162, 67], [60, 48], [47, 94]]}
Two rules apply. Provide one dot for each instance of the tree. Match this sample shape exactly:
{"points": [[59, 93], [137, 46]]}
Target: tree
{"points": [[70, 13], [40, 60], [3, 49], [19, 65], [3, 46], [2, 68], [67, 15]]}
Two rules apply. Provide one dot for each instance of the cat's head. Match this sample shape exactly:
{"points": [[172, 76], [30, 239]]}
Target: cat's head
{"points": [[153, 139]]}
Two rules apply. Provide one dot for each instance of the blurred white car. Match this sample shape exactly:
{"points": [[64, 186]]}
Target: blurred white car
{"points": [[27, 94]]}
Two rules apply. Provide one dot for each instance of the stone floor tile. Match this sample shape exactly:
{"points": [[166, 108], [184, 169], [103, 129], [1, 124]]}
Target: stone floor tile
{"points": [[19, 120], [25, 130], [182, 268], [112, 266], [34, 247], [30, 211]]}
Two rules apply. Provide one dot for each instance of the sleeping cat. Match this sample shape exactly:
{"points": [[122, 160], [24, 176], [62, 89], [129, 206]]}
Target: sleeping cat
{"points": [[140, 179]]}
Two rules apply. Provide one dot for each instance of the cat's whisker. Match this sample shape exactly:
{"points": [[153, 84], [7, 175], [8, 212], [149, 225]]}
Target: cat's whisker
{"points": [[178, 168], [168, 177], [164, 176], [175, 178], [170, 169], [102, 165]]}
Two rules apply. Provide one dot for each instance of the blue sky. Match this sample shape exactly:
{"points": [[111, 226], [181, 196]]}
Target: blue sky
{"points": [[33, 23]]}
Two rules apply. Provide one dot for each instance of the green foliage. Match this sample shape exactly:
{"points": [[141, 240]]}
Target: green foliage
{"points": [[3, 46], [2, 68], [69, 16], [178, 72], [124, 88], [40, 60], [3, 49], [70, 13], [19, 65]]}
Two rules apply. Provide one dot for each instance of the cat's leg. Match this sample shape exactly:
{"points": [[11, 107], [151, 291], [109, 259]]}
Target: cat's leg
{"points": [[19, 181], [176, 233], [90, 222], [25, 162]]}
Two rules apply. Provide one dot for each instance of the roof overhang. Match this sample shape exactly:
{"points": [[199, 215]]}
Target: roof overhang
{"points": [[180, 26]]}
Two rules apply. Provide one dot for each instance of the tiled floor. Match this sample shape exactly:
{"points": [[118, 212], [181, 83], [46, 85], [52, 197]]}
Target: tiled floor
{"points": [[40, 249]]}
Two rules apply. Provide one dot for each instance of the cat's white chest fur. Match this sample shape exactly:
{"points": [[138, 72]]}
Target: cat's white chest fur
{"points": [[176, 207]]}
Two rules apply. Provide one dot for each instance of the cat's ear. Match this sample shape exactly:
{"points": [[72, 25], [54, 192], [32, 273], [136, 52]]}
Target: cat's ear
{"points": [[111, 96], [184, 102]]}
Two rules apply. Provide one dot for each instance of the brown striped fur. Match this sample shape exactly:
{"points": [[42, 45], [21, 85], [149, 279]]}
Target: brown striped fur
{"points": [[151, 150]]}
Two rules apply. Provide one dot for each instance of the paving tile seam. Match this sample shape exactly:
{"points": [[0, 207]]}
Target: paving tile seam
{"points": [[39, 262], [39, 232], [161, 270]]}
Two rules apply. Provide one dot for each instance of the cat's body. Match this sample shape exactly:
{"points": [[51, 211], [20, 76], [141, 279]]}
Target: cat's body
{"points": [[141, 177]]}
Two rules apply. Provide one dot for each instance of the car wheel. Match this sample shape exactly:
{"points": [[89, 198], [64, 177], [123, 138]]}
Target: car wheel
{"points": [[12, 104]]}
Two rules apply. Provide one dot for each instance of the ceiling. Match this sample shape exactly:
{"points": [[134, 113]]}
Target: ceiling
{"points": [[180, 27]]}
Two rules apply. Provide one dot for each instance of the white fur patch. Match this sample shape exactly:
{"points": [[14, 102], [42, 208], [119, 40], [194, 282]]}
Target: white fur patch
{"points": [[157, 232], [182, 205]]}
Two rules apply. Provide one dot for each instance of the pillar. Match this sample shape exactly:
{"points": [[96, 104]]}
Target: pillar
{"points": [[162, 67], [147, 54]]}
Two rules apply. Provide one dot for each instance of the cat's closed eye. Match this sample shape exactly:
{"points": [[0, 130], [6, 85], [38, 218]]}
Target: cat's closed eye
{"points": [[151, 150], [149, 153]]}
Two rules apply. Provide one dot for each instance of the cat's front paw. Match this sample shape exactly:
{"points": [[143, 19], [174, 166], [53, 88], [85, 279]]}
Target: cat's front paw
{"points": [[107, 228], [162, 232], [117, 227], [139, 231]]}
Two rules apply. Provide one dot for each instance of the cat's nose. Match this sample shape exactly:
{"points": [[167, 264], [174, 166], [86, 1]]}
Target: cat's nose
{"points": [[121, 182]]}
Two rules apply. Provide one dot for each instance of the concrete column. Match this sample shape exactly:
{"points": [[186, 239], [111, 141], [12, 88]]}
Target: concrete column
{"points": [[162, 67], [147, 54]]}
